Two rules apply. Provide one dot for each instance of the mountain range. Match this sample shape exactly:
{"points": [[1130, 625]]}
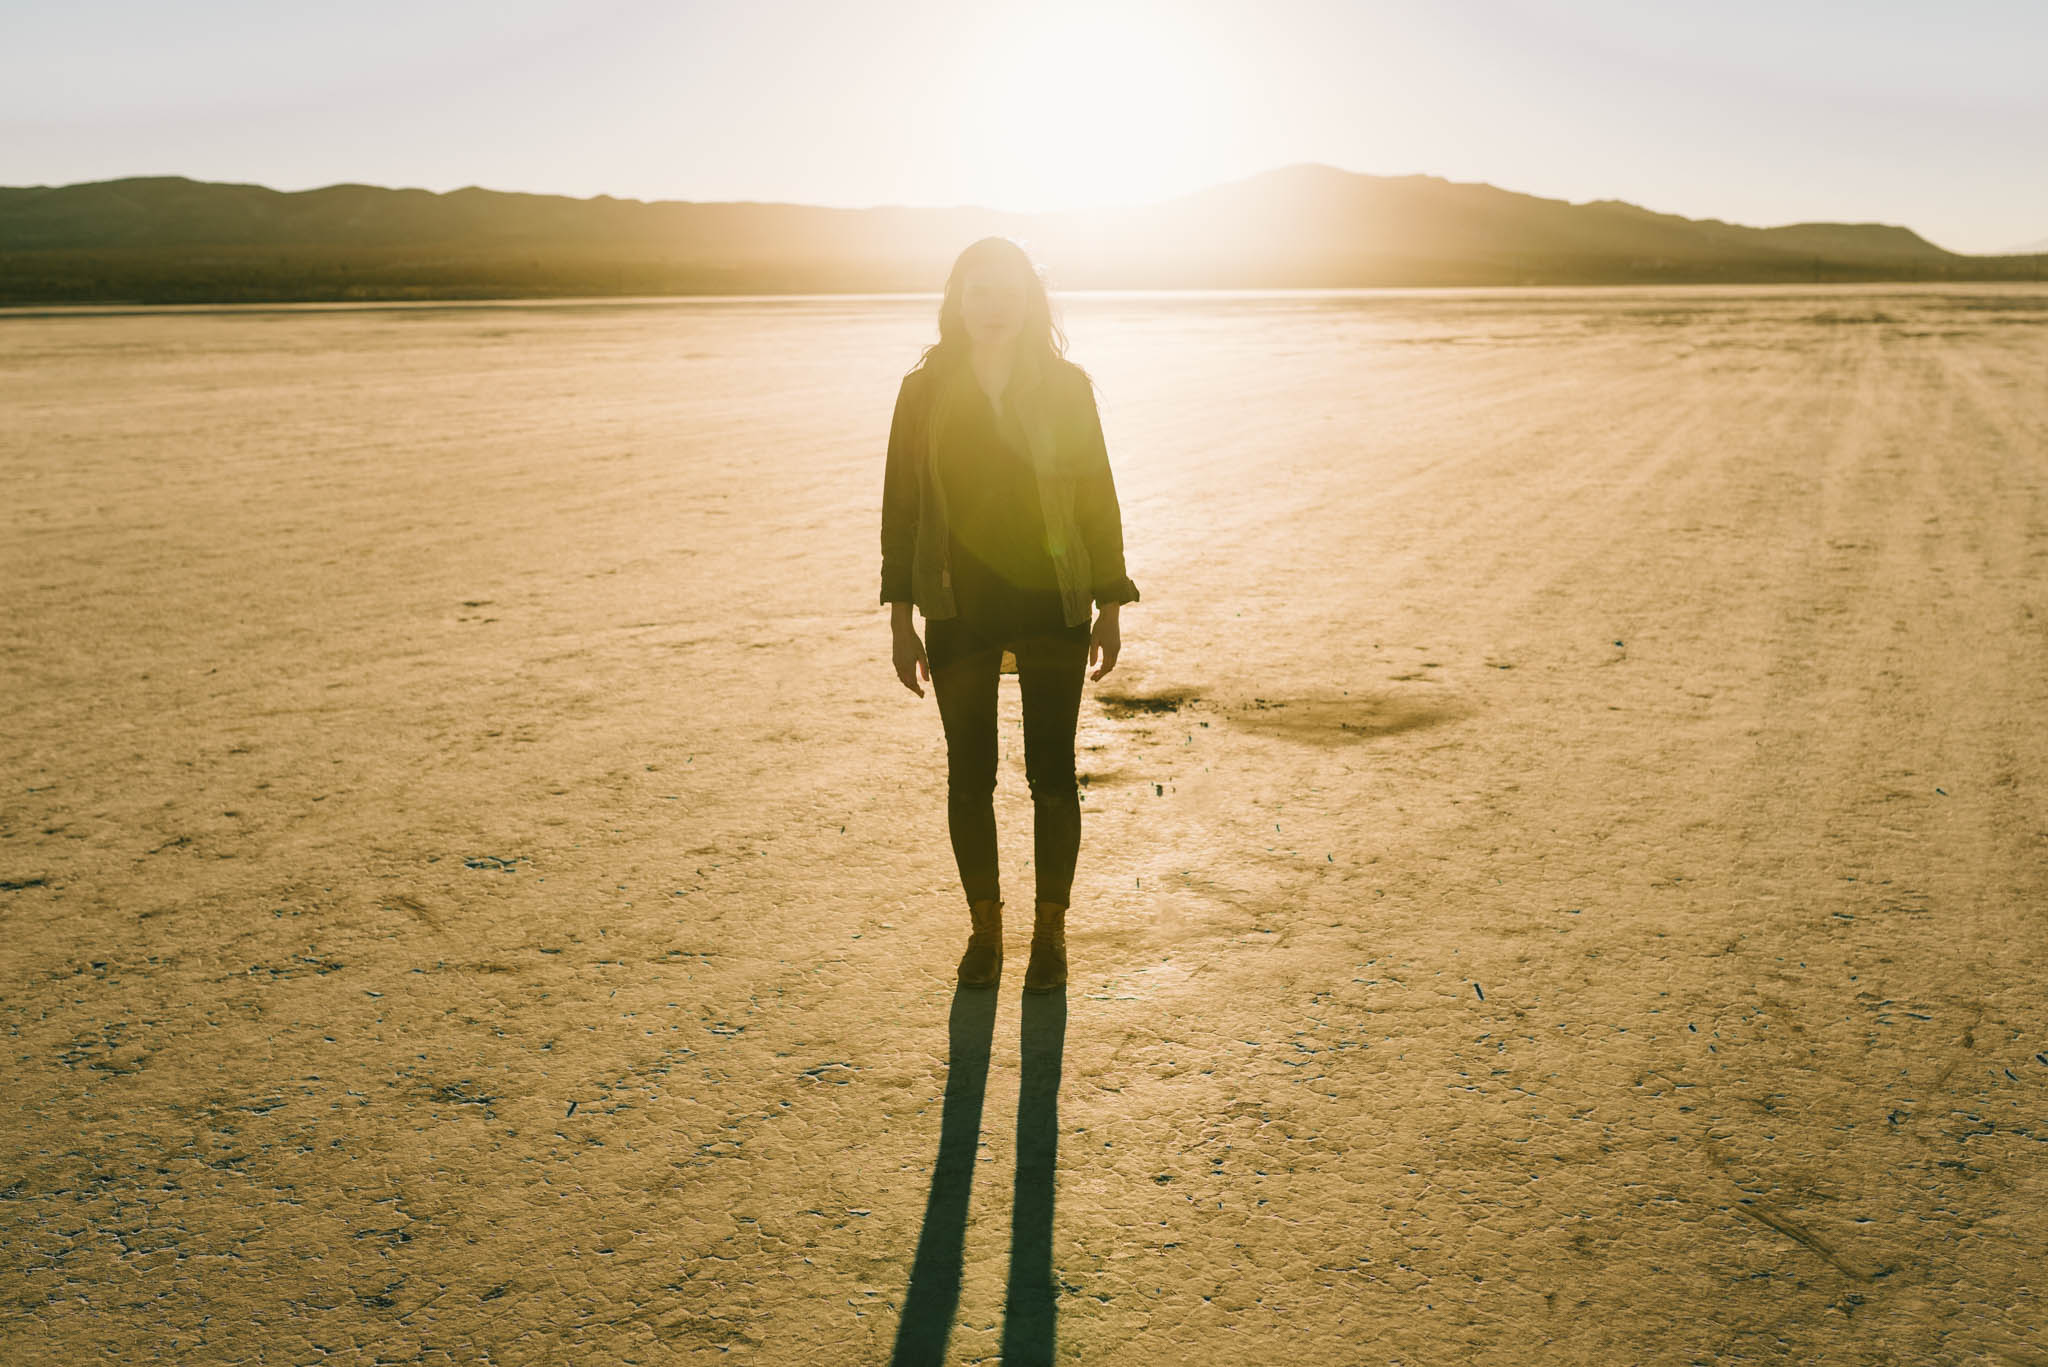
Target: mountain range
{"points": [[161, 239]]}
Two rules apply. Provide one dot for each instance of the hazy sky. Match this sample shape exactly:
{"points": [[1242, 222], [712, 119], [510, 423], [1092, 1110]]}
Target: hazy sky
{"points": [[1934, 115]]}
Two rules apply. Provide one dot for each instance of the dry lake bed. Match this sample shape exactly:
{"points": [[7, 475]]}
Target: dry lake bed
{"points": [[1564, 872]]}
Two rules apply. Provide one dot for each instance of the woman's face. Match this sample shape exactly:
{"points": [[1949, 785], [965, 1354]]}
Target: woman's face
{"points": [[992, 304]]}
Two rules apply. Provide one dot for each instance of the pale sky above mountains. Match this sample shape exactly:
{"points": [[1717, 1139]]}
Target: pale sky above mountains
{"points": [[1931, 116]]}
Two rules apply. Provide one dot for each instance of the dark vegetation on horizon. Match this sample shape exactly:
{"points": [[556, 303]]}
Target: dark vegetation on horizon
{"points": [[167, 239]]}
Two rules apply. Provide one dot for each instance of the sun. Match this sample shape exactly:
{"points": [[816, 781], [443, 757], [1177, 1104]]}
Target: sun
{"points": [[1074, 107]]}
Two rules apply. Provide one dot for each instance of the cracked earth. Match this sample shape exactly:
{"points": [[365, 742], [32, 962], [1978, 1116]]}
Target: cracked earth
{"points": [[1562, 880]]}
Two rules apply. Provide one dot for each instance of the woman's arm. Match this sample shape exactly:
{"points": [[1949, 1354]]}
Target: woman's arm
{"points": [[900, 498], [1096, 510]]}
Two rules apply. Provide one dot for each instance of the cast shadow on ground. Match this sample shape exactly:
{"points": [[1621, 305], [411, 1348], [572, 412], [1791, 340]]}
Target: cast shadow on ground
{"points": [[1030, 1310]]}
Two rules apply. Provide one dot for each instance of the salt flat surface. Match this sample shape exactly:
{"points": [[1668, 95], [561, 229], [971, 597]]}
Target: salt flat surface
{"points": [[1563, 875]]}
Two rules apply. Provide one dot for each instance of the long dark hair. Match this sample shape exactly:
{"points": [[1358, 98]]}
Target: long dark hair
{"points": [[1040, 335]]}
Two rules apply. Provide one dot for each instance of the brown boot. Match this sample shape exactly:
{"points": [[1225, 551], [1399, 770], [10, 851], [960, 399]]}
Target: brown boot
{"points": [[982, 964], [1048, 967]]}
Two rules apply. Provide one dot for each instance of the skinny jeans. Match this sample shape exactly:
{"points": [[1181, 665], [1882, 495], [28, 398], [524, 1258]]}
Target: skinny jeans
{"points": [[1051, 668]]}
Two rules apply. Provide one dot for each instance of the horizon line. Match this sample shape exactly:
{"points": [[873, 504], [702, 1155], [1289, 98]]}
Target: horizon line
{"points": [[2029, 249]]}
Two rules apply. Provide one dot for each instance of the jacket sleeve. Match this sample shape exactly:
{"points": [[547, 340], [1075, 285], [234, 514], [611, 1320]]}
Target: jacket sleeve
{"points": [[1096, 510], [900, 498]]}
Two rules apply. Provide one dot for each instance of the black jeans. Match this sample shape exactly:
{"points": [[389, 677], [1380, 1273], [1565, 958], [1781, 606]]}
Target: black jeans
{"points": [[1050, 673]]}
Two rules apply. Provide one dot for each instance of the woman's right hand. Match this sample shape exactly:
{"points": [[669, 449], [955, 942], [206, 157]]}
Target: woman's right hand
{"points": [[908, 649]]}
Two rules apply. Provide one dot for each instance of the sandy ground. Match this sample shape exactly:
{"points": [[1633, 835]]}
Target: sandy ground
{"points": [[1563, 872]]}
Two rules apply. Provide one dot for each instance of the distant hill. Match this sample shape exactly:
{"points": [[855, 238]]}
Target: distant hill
{"points": [[170, 239]]}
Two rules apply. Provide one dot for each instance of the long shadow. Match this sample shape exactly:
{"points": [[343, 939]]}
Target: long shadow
{"points": [[934, 1294], [1031, 1308]]}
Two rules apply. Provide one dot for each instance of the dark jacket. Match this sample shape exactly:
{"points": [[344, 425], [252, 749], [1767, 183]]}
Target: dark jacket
{"points": [[1054, 404]]}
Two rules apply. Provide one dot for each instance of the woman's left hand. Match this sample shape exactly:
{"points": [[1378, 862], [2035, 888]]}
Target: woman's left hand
{"points": [[1105, 640]]}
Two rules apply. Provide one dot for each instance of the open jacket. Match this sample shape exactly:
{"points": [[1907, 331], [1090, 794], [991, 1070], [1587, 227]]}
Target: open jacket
{"points": [[1054, 405]]}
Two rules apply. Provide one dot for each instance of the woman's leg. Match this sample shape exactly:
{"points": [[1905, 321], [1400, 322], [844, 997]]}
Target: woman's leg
{"points": [[964, 682], [1050, 673]]}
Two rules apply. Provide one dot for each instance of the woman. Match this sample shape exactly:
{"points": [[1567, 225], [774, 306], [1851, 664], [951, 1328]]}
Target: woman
{"points": [[1000, 524]]}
